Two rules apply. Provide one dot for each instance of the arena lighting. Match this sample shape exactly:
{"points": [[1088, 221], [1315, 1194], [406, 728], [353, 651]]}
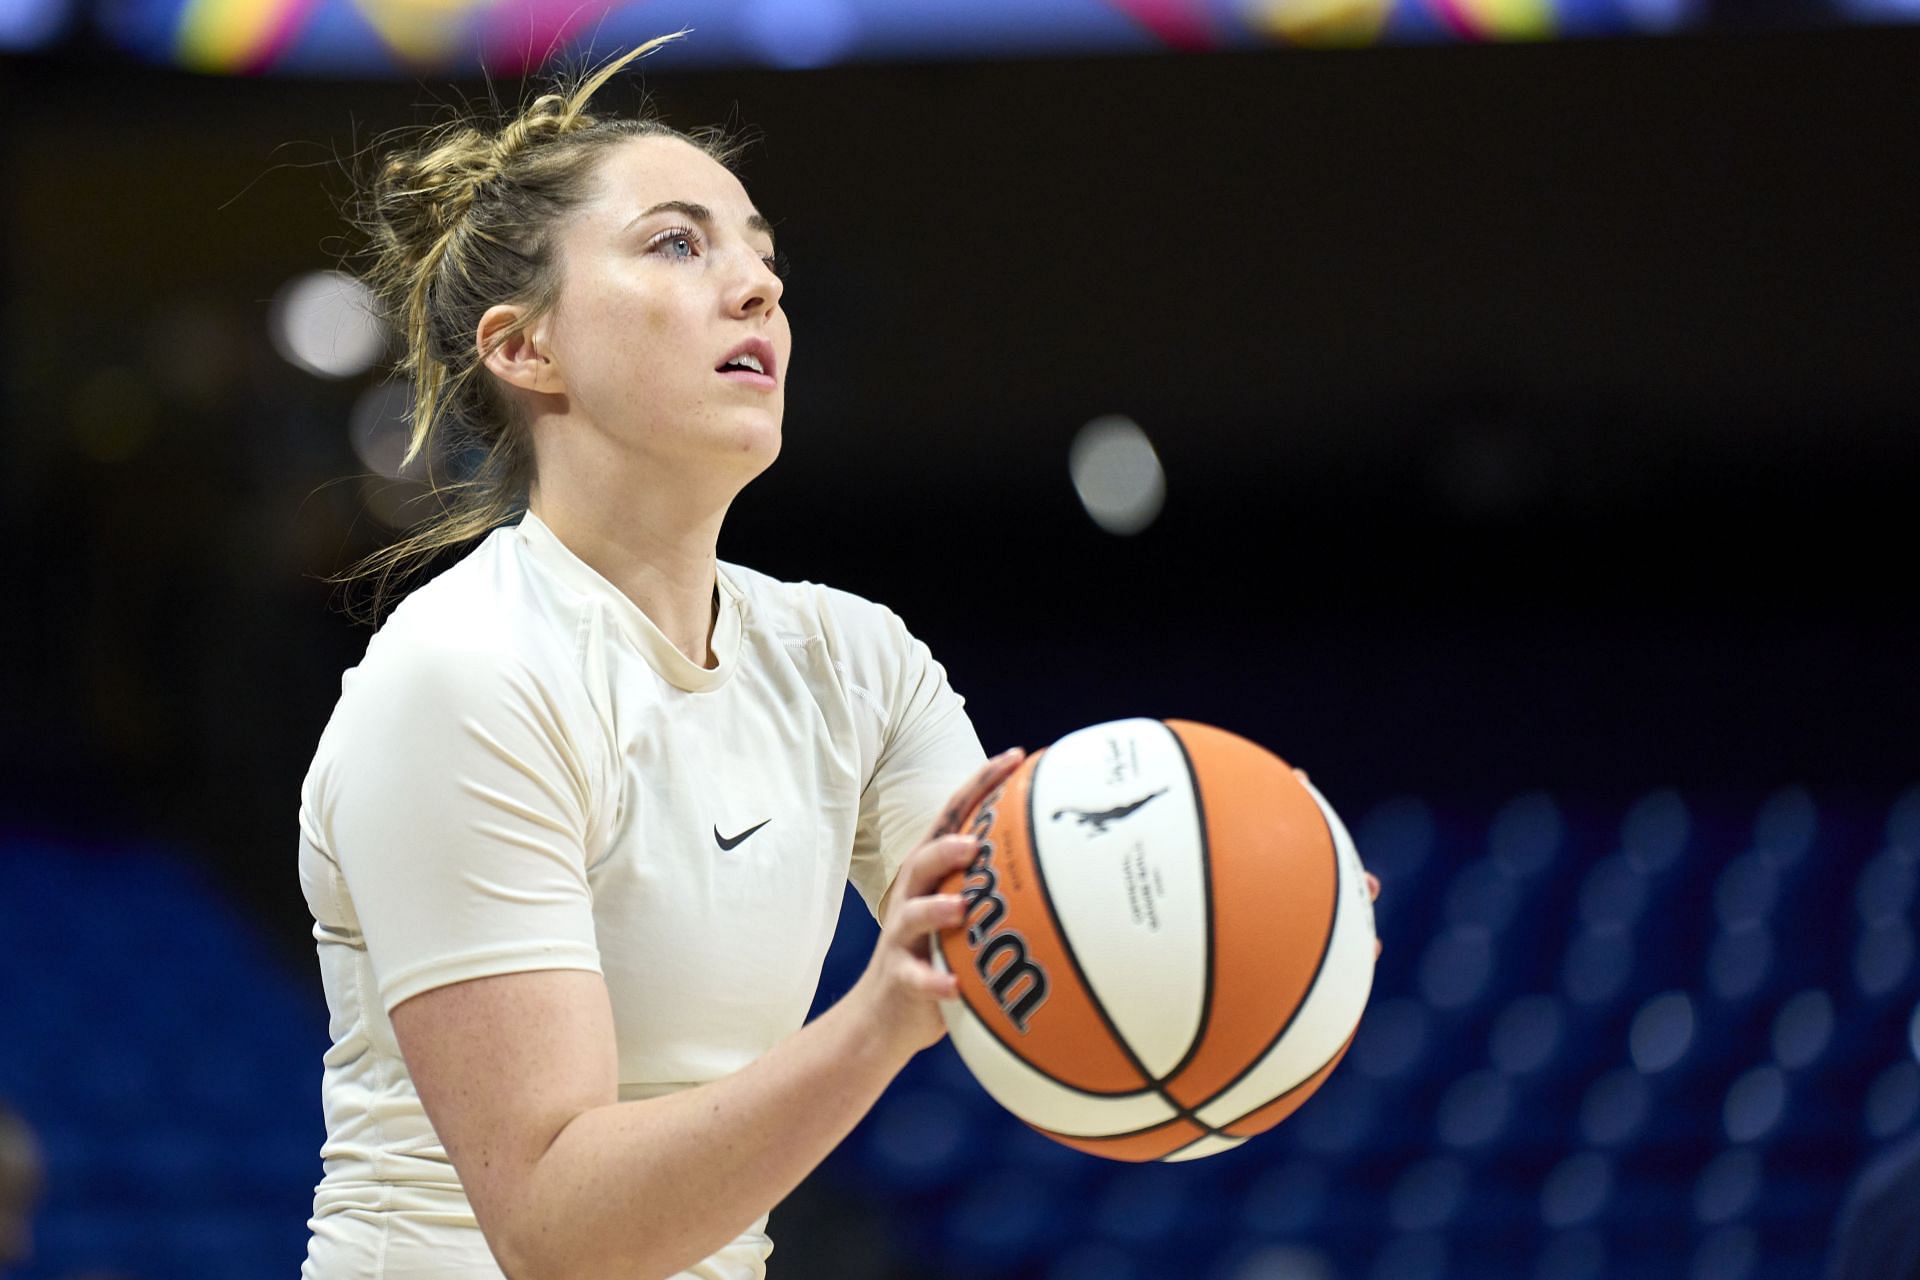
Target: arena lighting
{"points": [[324, 322], [29, 24], [1882, 10], [1117, 475], [800, 34], [1662, 16]]}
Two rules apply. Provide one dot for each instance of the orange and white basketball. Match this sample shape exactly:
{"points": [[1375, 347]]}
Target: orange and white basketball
{"points": [[1168, 941]]}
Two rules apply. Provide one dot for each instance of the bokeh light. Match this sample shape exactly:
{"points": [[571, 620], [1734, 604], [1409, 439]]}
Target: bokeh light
{"points": [[324, 322], [1662, 1032], [1117, 475]]}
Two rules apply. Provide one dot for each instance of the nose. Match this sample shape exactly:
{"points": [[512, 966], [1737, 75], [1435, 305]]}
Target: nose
{"points": [[754, 288]]}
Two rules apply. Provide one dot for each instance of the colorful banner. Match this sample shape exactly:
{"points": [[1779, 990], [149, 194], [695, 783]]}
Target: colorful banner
{"points": [[509, 37]]}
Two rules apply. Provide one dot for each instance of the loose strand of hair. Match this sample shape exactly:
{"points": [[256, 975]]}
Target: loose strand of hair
{"points": [[438, 177]]}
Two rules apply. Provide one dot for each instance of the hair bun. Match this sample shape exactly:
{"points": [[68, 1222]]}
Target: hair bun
{"points": [[422, 191], [458, 216]]}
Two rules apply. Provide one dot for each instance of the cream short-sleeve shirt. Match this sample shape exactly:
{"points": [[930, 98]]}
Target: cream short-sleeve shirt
{"points": [[523, 773]]}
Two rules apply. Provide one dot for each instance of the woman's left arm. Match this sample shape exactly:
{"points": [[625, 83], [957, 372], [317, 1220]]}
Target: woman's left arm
{"points": [[927, 748]]}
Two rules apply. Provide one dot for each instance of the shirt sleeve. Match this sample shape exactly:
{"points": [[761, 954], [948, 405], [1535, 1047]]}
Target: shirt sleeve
{"points": [[928, 747], [457, 803]]}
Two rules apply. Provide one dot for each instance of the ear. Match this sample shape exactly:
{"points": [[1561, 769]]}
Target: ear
{"points": [[522, 360]]}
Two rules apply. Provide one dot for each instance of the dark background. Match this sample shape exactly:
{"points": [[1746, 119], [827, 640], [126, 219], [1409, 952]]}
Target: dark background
{"points": [[1534, 417]]}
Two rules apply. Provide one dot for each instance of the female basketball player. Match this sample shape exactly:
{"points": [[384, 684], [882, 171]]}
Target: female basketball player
{"points": [[575, 837]]}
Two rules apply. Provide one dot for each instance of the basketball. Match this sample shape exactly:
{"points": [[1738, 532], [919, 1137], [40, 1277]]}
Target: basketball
{"points": [[1168, 941]]}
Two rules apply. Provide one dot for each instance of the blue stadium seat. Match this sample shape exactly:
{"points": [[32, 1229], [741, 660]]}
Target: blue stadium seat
{"points": [[1650, 1040]]}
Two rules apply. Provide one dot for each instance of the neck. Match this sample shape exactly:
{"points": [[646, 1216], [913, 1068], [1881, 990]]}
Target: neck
{"points": [[657, 544]]}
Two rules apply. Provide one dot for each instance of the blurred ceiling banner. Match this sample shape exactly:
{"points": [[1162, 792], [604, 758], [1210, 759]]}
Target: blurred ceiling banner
{"points": [[33, 24], [381, 38]]}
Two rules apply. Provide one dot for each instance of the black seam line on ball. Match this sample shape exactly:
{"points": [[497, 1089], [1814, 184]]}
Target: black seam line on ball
{"points": [[1319, 975], [1206, 896], [1278, 1097], [1180, 1110], [989, 1025], [1130, 1133]]}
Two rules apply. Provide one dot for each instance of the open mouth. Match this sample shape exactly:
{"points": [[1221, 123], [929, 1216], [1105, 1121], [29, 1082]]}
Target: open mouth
{"points": [[751, 362]]}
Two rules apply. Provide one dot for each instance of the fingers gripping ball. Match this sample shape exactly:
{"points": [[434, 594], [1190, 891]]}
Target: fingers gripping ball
{"points": [[1168, 941]]}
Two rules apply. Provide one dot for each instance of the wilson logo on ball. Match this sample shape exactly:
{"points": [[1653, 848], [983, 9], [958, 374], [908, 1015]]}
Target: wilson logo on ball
{"points": [[1001, 958]]}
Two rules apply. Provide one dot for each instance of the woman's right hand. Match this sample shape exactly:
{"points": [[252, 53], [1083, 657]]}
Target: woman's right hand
{"points": [[900, 989]]}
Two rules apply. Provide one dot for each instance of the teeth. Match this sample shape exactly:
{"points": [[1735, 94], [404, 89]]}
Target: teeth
{"points": [[746, 362]]}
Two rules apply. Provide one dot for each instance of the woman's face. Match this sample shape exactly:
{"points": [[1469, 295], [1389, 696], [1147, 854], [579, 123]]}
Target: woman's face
{"points": [[666, 273]]}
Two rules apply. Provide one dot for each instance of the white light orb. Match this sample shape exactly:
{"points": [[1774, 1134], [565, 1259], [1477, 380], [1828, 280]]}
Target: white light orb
{"points": [[324, 322], [1117, 475]]}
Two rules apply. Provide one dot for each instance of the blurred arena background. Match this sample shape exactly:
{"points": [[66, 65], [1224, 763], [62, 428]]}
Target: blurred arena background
{"points": [[1505, 409]]}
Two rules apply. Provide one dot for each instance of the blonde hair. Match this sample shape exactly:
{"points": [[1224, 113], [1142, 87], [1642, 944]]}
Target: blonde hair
{"points": [[458, 218]]}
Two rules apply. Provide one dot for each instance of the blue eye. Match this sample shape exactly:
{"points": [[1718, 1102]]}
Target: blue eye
{"points": [[678, 235]]}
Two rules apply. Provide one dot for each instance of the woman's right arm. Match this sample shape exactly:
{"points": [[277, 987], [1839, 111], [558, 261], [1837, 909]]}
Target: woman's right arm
{"points": [[517, 1074]]}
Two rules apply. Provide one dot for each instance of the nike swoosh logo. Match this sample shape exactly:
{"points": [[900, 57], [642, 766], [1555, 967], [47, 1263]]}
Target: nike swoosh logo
{"points": [[726, 843]]}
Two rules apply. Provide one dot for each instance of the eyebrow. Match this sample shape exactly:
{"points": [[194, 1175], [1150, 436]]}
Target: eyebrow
{"points": [[703, 215]]}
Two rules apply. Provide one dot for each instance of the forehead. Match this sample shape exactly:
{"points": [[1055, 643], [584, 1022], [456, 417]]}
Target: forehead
{"points": [[641, 172]]}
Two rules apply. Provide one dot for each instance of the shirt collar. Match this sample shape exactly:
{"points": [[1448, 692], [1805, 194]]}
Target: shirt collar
{"points": [[672, 665]]}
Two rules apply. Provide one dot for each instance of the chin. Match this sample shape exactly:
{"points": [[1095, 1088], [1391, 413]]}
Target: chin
{"points": [[757, 445]]}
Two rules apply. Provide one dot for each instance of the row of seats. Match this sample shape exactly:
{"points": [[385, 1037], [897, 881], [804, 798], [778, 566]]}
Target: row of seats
{"points": [[1649, 1043], [169, 1062]]}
